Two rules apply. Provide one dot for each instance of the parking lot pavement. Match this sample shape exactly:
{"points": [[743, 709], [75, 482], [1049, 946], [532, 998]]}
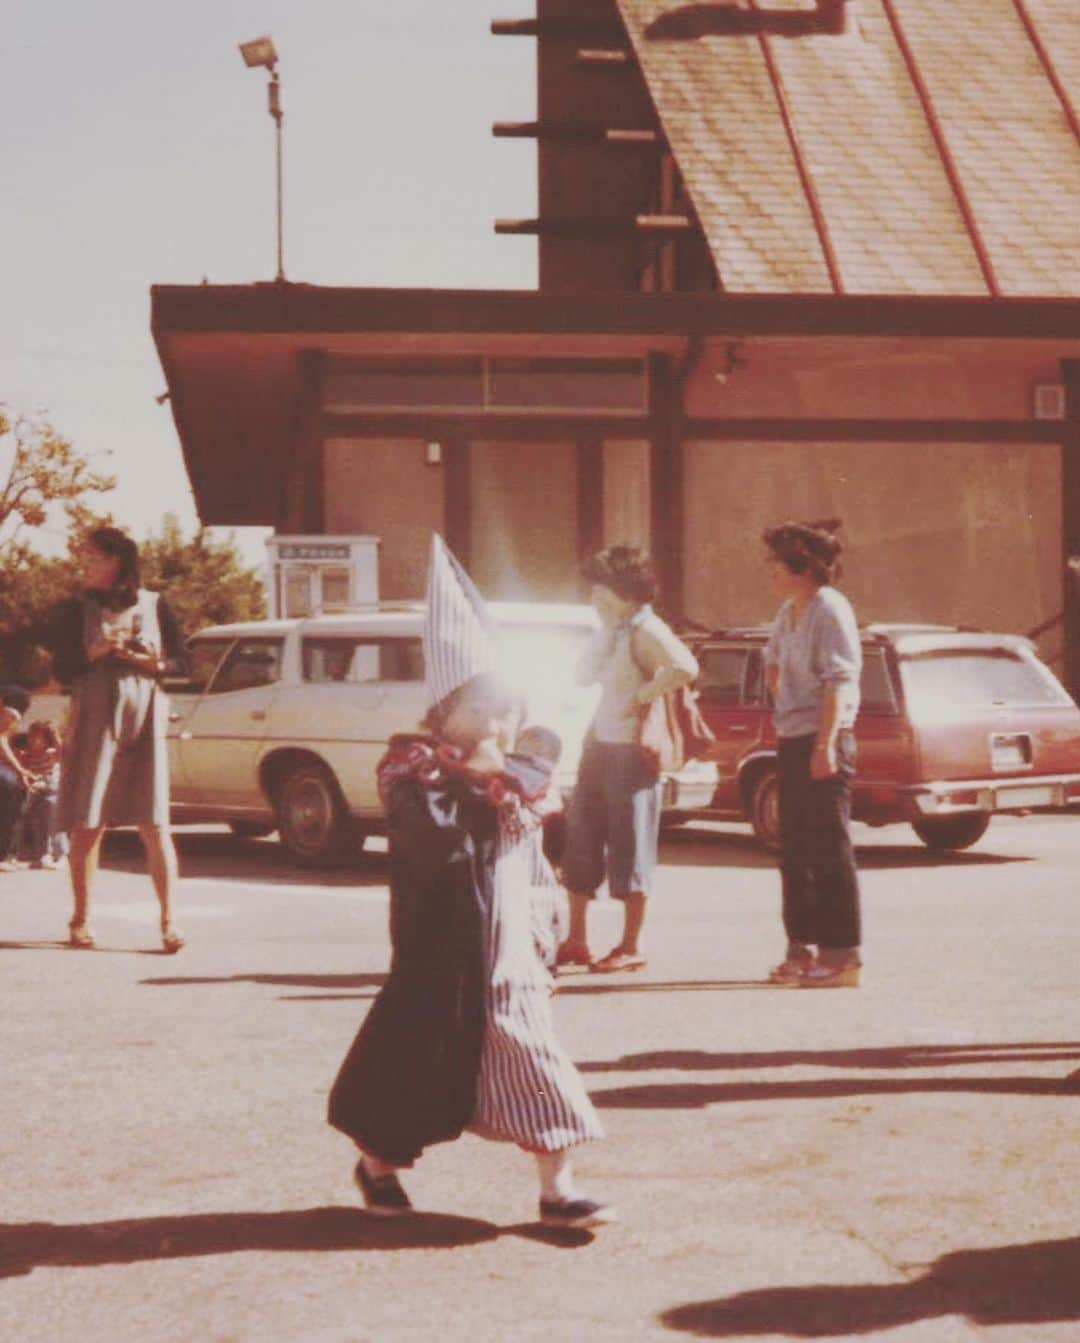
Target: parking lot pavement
{"points": [[898, 1162]]}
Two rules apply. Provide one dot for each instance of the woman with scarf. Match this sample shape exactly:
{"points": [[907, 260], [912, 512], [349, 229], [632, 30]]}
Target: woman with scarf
{"points": [[111, 644], [461, 1035]]}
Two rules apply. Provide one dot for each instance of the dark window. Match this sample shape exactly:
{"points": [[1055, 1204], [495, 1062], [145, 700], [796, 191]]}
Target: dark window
{"points": [[252, 663], [203, 657], [359, 661], [723, 675], [876, 692]]}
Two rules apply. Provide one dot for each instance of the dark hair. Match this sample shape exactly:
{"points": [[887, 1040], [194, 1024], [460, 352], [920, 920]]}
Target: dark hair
{"points": [[476, 688], [626, 570], [807, 548], [118, 545], [48, 730], [15, 697]]}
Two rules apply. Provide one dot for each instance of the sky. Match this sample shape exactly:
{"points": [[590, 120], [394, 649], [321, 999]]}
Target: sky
{"points": [[137, 149]]}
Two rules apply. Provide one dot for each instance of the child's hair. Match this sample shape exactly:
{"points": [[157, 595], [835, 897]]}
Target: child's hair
{"points": [[535, 739], [625, 570], [807, 548], [46, 728], [484, 687]]}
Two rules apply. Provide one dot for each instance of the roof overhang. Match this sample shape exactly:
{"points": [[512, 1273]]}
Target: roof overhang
{"points": [[232, 355]]}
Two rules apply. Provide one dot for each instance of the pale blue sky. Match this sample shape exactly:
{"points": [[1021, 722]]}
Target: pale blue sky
{"points": [[136, 148]]}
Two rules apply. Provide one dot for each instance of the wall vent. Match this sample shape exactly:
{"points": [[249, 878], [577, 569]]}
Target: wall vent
{"points": [[1049, 401]]}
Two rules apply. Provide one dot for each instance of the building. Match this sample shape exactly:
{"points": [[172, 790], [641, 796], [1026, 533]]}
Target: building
{"points": [[790, 266]]}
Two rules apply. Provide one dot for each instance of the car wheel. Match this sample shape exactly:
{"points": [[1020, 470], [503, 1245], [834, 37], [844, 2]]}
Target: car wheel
{"points": [[942, 833], [765, 809], [312, 818], [250, 829]]}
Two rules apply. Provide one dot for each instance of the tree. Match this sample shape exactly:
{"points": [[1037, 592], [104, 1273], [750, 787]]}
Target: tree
{"points": [[38, 468], [204, 581]]}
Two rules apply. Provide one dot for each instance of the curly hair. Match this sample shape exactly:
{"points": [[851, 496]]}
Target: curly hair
{"points": [[114, 543], [625, 570], [807, 548]]}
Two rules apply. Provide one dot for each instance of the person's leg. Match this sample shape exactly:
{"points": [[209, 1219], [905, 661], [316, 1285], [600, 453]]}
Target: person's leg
{"points": [[796, 826], [633, 824], [164, 873], [84, 854], [561, 1202], [11, 805], [383, 1193], [835, 876], [583, 861]]}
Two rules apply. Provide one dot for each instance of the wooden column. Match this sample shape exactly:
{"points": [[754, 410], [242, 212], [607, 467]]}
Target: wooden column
{"points": [[302, 507], [457, 497], [1070, 530], [666, 482], [590, 459]]}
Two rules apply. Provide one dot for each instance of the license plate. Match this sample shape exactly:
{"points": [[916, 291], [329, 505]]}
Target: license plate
{"points": [[1037, 795], [1010, 750]]}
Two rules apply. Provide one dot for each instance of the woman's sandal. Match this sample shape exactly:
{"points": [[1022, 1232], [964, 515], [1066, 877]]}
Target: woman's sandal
{"points": [[171, 941], [80, 937], [572, 957], [617, 960]]}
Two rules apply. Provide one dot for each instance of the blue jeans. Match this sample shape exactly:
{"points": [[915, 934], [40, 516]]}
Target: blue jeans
{"points": [[613, 821], [12, 802], [38, 835]]}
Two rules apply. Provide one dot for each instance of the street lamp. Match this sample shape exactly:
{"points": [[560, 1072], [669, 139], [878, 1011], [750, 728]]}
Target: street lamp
{"points": [[260, 52]]}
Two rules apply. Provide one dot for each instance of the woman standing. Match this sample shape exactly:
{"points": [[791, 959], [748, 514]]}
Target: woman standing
{"points": [[614, 817], [111, 644], [813, 661]]}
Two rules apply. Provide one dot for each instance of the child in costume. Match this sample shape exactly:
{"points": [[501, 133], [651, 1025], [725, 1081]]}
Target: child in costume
{"points": [[461, 1035]]}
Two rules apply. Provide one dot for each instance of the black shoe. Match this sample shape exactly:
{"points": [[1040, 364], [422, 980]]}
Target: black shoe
{"points": [[383, 1194], [576, 1213]]}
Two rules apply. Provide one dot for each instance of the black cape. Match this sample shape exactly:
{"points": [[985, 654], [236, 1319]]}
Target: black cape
{"points": [[409, 1078]]}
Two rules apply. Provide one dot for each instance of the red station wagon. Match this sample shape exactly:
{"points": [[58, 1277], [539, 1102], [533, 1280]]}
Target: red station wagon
{"points": [[954, 726]]}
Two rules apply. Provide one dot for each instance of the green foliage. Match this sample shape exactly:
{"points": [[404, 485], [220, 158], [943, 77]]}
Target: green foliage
{"points": [[31, 585], [38, 468], [204, 581]]}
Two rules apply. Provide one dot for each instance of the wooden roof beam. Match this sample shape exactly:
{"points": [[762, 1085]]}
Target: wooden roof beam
{"points": [[537, 130], [565, 27], [619, 227]]}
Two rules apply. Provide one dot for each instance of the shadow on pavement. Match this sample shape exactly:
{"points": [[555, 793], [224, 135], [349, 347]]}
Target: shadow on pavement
{"points": [[84, 951], [696, 1095], [373, 981], [896, 1056], [700, 847], [225, 857], [1011, 1284], [29, 1245]]}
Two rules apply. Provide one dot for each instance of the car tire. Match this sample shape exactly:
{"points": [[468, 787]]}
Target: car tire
{"points": [[313, 821], [945, 833], [764, 808], [250, 829]]}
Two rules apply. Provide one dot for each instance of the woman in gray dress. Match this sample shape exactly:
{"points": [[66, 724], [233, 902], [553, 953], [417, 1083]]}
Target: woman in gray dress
{"points": [[112, 643]]}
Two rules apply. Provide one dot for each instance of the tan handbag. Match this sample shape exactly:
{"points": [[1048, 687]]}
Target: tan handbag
{"points": [[672, 728]]}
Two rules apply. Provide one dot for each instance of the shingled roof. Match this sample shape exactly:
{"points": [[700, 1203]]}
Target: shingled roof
{"points": [[932, 149]]}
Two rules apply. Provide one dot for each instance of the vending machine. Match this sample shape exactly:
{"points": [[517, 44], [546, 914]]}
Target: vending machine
{"points": [[310, 574]]}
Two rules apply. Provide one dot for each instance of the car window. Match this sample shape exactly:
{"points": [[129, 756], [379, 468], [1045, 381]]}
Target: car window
{"points": [[979, 678], [722, 676], [756, 692], [203, 656], [354, 660], [876, 691], [251, 663]]}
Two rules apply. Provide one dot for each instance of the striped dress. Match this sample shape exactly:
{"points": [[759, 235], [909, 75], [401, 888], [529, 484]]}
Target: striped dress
{"points": [[528, 1090]]}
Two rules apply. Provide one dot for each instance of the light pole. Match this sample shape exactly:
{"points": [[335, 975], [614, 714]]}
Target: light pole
{"points": [[260, 52]]}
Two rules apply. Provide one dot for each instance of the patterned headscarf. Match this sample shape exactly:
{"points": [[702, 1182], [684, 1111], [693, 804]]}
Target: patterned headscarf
{"points": [[459, 635]]}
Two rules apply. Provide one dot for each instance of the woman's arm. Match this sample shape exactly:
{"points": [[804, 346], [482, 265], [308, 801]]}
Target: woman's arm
{"points": [[663, 656], [838, 661]]}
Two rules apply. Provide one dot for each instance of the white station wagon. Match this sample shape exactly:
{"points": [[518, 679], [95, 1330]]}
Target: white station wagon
{"points": [[282, 722]]}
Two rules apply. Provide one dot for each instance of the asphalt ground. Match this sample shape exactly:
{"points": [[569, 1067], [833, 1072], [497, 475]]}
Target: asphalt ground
{"points": [[899, 1161]]}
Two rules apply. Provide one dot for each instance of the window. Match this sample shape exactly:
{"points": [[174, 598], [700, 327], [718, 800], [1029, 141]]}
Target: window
{"points": [[357, 661], [723, 674], [979, 677], [252, 663], [335, 589], [203, 656], [876, 692]]}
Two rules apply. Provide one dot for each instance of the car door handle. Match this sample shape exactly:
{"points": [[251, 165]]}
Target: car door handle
{"points": [[738, 727], [259, 715]]}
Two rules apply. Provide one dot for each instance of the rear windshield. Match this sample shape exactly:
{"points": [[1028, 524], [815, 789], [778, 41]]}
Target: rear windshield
{"points": [[979, 677]]}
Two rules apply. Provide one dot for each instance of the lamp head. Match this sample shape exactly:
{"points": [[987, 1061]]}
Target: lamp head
{"points": [[259, 51]]}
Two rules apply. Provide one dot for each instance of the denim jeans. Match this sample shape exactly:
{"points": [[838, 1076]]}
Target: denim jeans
{"points": [[817, 863], [12, 801]]}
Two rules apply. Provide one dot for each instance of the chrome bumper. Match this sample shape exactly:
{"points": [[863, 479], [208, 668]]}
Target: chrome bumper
{"points": [[948, 799]]}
